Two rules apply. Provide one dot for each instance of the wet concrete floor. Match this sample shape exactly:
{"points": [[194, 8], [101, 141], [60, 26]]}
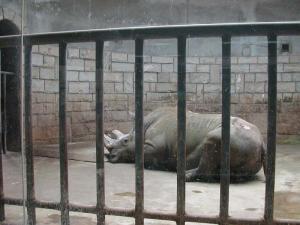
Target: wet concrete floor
{"points": [[246, 199]]}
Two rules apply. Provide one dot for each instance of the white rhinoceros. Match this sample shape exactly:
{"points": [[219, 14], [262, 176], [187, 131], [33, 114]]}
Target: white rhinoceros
{"points": [[203, 145]]}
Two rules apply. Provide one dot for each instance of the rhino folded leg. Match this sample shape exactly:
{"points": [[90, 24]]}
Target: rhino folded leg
{"points": [[191, 175]]}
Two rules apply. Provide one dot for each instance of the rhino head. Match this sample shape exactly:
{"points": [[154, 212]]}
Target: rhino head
{"points": [[120, 147]]}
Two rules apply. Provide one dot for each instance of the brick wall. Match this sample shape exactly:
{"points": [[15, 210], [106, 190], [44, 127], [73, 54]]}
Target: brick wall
{"points": [[249, 90]]}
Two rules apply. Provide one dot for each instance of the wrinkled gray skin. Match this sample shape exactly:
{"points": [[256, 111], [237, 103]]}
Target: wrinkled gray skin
{"points": [[203, 145]]}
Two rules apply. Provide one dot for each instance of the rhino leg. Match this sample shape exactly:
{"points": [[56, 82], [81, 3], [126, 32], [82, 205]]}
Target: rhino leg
{"points": [[208, 167]]}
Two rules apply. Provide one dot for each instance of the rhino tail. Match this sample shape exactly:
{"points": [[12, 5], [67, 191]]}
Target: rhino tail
{"points": [[264, 157]]}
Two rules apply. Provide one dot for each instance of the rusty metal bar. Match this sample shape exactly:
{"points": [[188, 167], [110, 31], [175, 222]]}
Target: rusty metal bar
{"points": [[139, 131], [63, 143], [152, 215], [2, 208], [271, 139], [4, 124], [181, 129], [225, 155], [31, 220], [100, 134]]}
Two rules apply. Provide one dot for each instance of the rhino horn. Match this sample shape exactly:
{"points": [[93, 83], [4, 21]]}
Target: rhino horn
{"points": [[108, 142], [118, 134]]}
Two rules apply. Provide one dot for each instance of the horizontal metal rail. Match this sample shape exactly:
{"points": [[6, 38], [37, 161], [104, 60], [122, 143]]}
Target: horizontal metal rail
{"points": [[149, 214], [155, 32]]}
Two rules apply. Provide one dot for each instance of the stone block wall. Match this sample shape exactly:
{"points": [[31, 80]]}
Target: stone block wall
{"points": [[249, 90]]}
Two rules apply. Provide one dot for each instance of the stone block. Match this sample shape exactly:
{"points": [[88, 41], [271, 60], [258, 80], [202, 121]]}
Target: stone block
{"points": [[166, 87], [190, 68], [89, 65], [192, 88], [262, 59], [239, 68], [279, 68], [291, 68], [163, 77], [49, 61], [119, 88], [259, 77], [113, 77], [38, 85], [46, 120], [150, 77], [153, 67], [207, 60], [286, 76], [119, 57], [173, 77], [247, 60], [122, 67], [250, 77], [215, 73], [283, 59], [167, 68], [200, 89], [51, 86], [37, 108], [295, 59], [115, 116], [203, 68], [79, 97], [35, 72], [79, 87], [255, 87], [72, 76], [86, 53], [258, 68], [296, 77], [162, 59], [73, 52], [37, 59], [75, 64], [48, 74], [198, 77], [286, 87], [128, 83], [297, 86], [87, 76], [212, 88], [49, 50], [192, 60], [239, 82]]}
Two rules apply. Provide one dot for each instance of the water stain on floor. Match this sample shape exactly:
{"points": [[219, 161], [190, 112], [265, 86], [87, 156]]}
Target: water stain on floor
{"points": [[197, 191], [287, 205], [251, 209], [125, 194]]}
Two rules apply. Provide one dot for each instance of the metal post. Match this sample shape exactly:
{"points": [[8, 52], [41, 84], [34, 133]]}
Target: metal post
{"points": [[139, 132], [31, 220], [63, 151], [99, 135], [4, 134], [225, 155], [181, 129], [2, 209], [271, 139]]}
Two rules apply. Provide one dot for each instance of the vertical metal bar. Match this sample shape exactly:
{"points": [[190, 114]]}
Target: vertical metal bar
{"points": [[99, 135], [31, 220], [225, 155], [63, 151], [271, 139], [181, 129], [139, 132], [4, 115], [2, 210]]}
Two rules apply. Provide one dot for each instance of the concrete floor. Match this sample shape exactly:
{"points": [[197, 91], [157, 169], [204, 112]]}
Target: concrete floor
{"points": [[246, 199]]}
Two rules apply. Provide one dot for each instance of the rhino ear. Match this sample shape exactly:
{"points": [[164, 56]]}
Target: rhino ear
{"points": [[131, 115]]}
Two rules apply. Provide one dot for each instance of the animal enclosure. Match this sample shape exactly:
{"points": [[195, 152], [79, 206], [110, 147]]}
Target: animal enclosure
{"points": [[180, 33]]}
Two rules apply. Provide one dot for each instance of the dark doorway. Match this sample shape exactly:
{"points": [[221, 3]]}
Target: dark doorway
{"points": [[10, 90]]}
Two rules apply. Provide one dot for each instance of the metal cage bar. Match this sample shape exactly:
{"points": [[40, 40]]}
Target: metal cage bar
{"points": [[181, 129], [139, 131], [271, 132], [2, 209], [100, 186], [31, 220], [63, 142], [225, 153]]}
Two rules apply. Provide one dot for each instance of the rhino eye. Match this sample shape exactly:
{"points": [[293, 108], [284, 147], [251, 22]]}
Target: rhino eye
{"points": [[125, 141]]}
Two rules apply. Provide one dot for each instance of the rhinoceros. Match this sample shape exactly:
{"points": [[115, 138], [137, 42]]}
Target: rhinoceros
{"points": [[203, 145]]}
